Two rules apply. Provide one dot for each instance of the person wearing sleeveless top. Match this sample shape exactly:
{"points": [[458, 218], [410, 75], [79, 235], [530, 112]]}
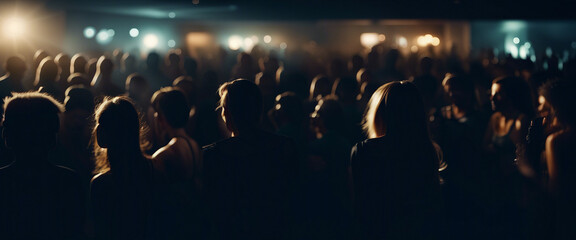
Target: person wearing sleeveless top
{"points": [[178, 163]]}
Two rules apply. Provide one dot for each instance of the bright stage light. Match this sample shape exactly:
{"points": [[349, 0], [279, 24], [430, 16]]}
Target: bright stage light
{"points": [[111, 32], [14, 27], [89, 32], [103, 37], [150, 41], [171, 43], [248, 44], [171, 14], [283, 45], [368, 40], [134, 32], [235, 42], [267, 39], [516, 40]]}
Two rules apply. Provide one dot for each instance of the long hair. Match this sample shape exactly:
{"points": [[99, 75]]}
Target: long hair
{"points": [[519, 94], [119, 120]]}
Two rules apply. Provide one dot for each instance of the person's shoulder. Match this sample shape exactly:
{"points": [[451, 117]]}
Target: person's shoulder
{"points": [[560, 138], [101, 179]]}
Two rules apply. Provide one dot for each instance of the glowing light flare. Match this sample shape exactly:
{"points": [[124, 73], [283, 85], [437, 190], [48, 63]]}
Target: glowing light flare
{"points": [[89, 32], [255, 39], [283, 45], [150, 41], [516, 40], [196, 39], [111, 32], [368, 40], [402, 42], [171, 43], [134, 32], [14, 27], [381, 37], [103, 37], [171, 14], [248, 44], [435, 41], [267, 39], [414, 49], [235, 42]]}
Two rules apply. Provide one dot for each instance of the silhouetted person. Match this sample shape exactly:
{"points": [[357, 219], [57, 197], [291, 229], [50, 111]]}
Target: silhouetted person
{"points": [[78, 64], [102, 83], [153, 73], [63, 61], [39, 200], [138, 90], [250, 178], [427, 83], [73, 149], [121, 193], [174, 66], [12, 80], [560, 152], [91, 67], [245, 67], [326, 174], [289, 119], [79, 79], [395, 171], [128, 66], [346, 89], [46, 79], [179, 164]]}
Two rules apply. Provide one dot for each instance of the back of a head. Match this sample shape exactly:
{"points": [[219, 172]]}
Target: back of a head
{"points": [[79, 97], [105, 65], [78, 79], [39, 55], [153, 60], [118, 122], [346, 88], [47, 72], [290, 106], [136, 82], [243, 100], [171, 103], [15, 66], [188, 86], [330, 111], [31, 121], [460, 90], [63, 61], [320, 86], [78, 64], [128, 62], [396, 109], [174, 58]]}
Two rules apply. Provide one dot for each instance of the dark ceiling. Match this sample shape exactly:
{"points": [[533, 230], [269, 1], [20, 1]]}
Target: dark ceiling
{"points": [[344, 9]]}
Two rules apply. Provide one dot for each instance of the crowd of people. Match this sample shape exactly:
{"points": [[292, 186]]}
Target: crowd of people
{"points": [[296, 146]]}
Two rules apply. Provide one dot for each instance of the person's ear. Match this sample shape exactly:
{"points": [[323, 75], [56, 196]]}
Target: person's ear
{"points": [[102, 138]]}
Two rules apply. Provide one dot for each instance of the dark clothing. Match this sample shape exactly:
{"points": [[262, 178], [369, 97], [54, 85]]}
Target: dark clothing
{"points": [[249, 184], [121, 205], [43, 201], [397, 192]]}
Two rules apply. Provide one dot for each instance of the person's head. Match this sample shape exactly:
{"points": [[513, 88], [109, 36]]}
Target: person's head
{"points": [[320, 87], [105, 66], [558, 98], [346, 88], [188, 86], [170, 107], [396, 109], [136, 85], [426, 64], [327, 115], [39, 55], [78, 64], [16, 67], [117, 132], [79, 105], [128, 62], [47, 72], [511, 94], [241, 105], [31, 122], [78, 79], [63, 61], [288, 108], [460, 90], [153, 60], [174, 58]]}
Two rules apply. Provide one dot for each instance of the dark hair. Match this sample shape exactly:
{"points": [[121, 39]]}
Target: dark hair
{"points": [[15, 64], [461, 91], [330, 111], [118, 118], [31, 118], [79, 97], [561, 94], [47, 72], [518, 92], [171, 103], [243, 100]]}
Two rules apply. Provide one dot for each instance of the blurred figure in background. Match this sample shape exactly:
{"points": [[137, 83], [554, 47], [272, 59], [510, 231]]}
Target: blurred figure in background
{"points": [[102, 83], [47, 76], [78, 64], [63, 61]]}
